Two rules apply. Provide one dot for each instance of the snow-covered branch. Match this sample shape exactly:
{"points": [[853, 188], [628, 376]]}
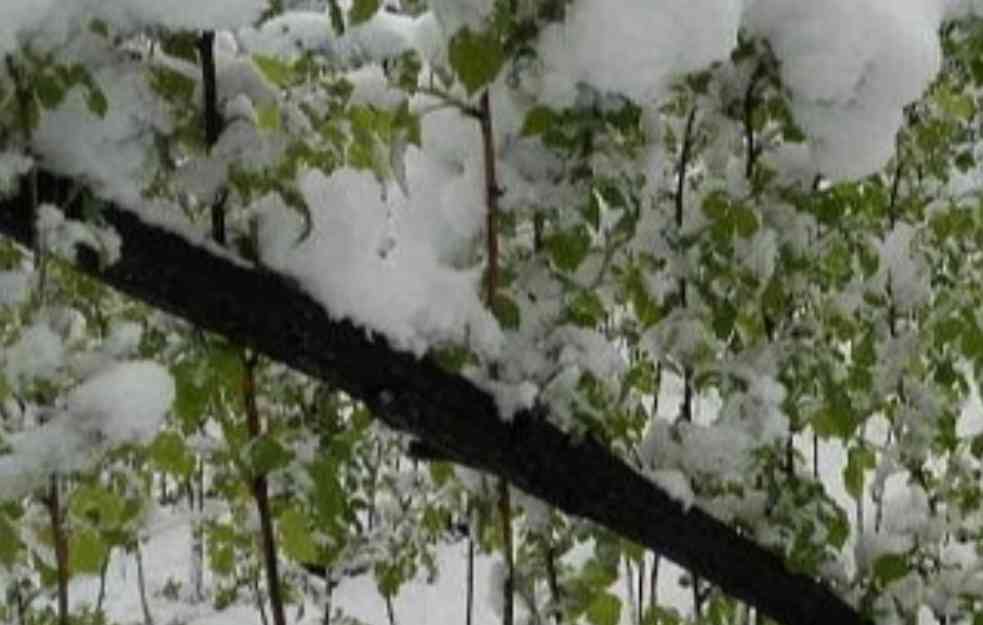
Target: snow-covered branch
{"points": [[448, 413]]}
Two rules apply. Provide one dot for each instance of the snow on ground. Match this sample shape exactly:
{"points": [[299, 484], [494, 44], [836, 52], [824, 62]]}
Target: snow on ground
{"points": [[166, 556]]}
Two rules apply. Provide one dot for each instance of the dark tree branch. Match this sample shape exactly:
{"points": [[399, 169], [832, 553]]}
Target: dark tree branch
{"points": [[272, 315]]}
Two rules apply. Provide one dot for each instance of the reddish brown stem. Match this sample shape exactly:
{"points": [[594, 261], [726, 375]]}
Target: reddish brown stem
{"points": [[261, 494]]}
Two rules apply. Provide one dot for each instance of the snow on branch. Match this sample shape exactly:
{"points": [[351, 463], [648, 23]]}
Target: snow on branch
{"points": [[449, 414]]}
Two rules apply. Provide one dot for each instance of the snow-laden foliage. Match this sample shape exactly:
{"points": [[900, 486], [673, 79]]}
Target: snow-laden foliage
{"points": [[737, 242]]}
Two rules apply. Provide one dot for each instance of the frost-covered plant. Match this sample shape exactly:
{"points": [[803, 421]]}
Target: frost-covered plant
{"points": [[734, 242]]}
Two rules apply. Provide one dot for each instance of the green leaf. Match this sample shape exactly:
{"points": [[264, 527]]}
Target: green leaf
{"points": [[99, 27], [295, 537], [537, 121], [441, 472], [183, 45], [587, 310], [958, 105], [329, 496], [221, 550], [268, 117], [362, 11], [192, 393], [266, 454], [10, 543], [337, 19], [507, 312], [96, 101], [569, 248], [476, 58], [838, 530], [172, 85], [837, 418], [605, 609], [49, 90], [890, 567], [225, 366], [99, 505], [86, 551], [745, 221], [859, 460], [276, 71], [170, 454]]}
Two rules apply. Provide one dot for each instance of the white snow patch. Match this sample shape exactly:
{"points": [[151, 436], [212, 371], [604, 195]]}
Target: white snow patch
{"points": [[851, 67], [360, 268], [636, 49]]}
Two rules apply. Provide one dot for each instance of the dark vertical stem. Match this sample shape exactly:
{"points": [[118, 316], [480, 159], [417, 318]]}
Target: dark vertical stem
{"points": [[697, 599], [390, 612], [654, 582], [213, 124], [491, 199], [142, 584], [790, 454], [815, 456], [686, 408], [196, 484], [553, 580], [374, 484], [892, 211], [684, 158], [895, 186], [469, 602], [492, 193], [508, 588], [328, 594], [20, 603], [261, 494], [750, 142], [630, 587], [258, 595], [60, 539], [103, 569], [641, 589]]}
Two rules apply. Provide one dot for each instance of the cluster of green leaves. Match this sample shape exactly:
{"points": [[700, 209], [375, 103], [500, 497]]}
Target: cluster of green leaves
{"points": [[658, 263], [38, 82]]}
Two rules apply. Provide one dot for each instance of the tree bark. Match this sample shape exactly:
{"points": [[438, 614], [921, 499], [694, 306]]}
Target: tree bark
{"points": [[271, 314]]}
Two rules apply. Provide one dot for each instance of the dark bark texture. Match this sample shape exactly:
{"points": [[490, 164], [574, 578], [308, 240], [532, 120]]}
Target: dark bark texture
{"points": [[447, 413]]}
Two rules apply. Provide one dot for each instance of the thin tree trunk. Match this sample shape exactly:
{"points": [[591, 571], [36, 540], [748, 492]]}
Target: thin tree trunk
{"points": [[697, 598], [390, 612], [261, 495], [258, 596], [508, 548], [142, 585], [492, 192], [21, 603], [101, 597], [654, 582], [328, 593], [469, 616], [196, 506], [60, 539], [553, 581]]}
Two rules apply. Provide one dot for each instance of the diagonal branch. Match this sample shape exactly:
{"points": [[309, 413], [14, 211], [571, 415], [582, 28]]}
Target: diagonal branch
{"points": [[270, 314]]}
